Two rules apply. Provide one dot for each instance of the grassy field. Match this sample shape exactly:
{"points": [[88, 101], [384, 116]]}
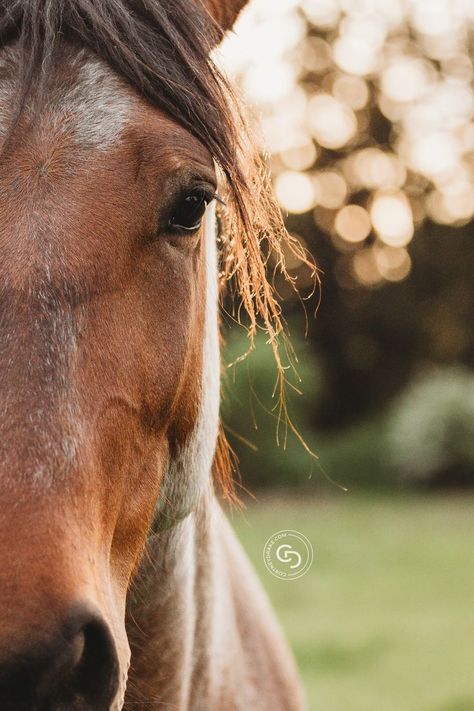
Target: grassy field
{"points": [[384, 620]]}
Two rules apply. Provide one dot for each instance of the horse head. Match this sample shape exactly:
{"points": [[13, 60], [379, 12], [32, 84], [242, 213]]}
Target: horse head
{"points": [[109, 388]]}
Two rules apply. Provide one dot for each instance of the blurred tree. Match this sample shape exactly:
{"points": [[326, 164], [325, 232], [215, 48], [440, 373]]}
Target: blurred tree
{"points": [[366, 109], [371, 341]]}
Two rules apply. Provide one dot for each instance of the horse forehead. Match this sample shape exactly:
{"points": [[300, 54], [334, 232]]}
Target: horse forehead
{"points": [[98, 105], [84, 98]]}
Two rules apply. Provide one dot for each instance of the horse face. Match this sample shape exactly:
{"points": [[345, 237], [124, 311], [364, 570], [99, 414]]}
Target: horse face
{"points": [[103, 286]]}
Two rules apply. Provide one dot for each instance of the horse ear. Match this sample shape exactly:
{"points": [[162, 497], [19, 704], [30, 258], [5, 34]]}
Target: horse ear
{"points": [[225, 12]]}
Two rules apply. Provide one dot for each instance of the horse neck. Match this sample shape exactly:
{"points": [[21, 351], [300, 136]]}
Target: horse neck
{"points": [[173, 619], [202, 634]]}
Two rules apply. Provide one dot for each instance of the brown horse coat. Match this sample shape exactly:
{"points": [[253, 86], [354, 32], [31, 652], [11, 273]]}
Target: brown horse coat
{"points": [[121, 584]]}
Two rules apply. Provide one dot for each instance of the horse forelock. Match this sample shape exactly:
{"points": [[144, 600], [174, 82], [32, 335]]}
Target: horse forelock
{"points": [[160, 48]]}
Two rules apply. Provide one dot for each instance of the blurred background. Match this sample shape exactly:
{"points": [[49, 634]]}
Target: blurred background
{"points": [[365, 109]]}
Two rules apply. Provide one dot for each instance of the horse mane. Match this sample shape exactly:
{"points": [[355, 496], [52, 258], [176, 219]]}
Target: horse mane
{"points": [[164, 49]]}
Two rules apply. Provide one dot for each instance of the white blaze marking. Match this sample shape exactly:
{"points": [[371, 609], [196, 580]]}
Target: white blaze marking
{"points": [[97, 107], [93, 108], [188, 475], [208, 426]]}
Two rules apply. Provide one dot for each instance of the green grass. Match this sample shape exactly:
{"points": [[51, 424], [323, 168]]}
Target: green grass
{"points": [[384, 620]]}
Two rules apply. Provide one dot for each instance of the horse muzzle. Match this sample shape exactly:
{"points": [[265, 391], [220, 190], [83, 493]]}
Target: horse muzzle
{"points": [[75, 669]]}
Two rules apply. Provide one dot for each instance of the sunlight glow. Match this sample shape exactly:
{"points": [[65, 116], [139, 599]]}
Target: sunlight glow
{"points": [[300, 157], [353, 223], [333, 123], [332, 189], [406, 79], [435, 153], [295, 191], [374, 168], [367, 109], [394, 264], [392, 218], [351, 90], [365, 267], [354, 55], [268, 82]]}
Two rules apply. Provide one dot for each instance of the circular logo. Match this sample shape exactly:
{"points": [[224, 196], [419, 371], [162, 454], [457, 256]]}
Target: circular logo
{"points": [[288, 555]]}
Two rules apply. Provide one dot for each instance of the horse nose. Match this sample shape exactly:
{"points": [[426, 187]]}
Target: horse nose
{"points": [[77, 670]]}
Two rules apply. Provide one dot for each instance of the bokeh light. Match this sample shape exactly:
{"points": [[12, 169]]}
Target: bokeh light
{"points": [[332, 122], [392, 218], [332, 189], [353, 223], [295, 191], [367, 110], [393, 263]]}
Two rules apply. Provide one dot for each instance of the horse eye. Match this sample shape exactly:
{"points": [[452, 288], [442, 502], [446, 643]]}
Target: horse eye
{"points": [[189, 211]]}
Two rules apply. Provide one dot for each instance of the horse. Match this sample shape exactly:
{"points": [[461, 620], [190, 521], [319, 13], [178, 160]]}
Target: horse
{"points": [[129, 192]]}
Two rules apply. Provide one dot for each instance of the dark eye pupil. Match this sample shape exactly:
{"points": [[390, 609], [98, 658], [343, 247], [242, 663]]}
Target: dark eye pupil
{"points": [[189, 212]]}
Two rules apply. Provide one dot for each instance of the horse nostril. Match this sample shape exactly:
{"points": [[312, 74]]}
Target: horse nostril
{"points": [[77, 670], [77, 649], [93, 678]]}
